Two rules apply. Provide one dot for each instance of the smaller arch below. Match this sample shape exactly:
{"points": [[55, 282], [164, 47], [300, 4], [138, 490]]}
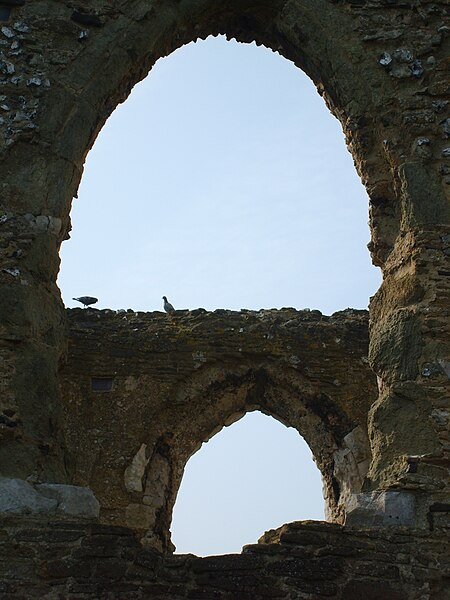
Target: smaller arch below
{"points": [[254, 475], [177, 382]]}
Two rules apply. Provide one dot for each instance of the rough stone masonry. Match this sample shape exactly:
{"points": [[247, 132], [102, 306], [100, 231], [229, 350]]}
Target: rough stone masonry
{"points": [[64, 67], [143, 391]]}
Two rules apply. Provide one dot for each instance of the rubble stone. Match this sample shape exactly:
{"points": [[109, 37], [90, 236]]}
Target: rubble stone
{"points": [[66, 66]]}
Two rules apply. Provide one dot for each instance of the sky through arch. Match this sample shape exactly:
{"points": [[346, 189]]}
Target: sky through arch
{"points": [[222, 182], [252, 476]]}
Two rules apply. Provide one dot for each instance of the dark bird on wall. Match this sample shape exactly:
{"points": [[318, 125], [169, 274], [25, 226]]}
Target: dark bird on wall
{"points": [[86, 300], [167, 306]]}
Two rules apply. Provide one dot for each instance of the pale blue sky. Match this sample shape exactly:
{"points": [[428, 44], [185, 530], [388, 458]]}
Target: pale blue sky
{"points": [[254, 475], [222, 182]]}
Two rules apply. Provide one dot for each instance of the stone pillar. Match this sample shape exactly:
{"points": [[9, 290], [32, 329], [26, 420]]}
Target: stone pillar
{"points": [[410, 348], [32, 317]]}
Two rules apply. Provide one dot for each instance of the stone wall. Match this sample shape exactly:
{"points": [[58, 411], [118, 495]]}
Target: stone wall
{"points": [[142, 391], [64, 67], [300, 561]]}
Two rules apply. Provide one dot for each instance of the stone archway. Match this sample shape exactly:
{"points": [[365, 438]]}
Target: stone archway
{"points": [[174, 383], [253, 475], [383, 76], [339, 445]]}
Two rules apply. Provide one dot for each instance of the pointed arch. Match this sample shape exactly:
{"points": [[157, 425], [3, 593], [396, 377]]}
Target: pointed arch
{"points": [[253, 475]]}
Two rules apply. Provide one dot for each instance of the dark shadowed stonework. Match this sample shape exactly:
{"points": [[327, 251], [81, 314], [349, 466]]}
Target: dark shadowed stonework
{"points": [[300, 561], [382, 67]]}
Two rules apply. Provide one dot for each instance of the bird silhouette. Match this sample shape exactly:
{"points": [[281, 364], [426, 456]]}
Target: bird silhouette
{"points": [[86, 300], [167, 306]]}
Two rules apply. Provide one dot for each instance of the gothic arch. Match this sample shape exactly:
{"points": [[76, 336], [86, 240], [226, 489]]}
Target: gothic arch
{"points": [[92, 59], [383, 75], [337, 441], [175, 384]]}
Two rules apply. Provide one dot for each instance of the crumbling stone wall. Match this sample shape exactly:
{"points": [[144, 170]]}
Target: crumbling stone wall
{"points": [[299, 561], [142, 391], [381, 67], [66, 65]]}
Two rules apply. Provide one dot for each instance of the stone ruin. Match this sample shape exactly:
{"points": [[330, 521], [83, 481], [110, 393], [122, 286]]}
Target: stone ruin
{"points": [[101, 411]]}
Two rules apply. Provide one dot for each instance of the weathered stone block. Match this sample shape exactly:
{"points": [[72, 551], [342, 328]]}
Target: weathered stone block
{"points": [[19, 497], [72, 501], [135, 471], [381, 509]]}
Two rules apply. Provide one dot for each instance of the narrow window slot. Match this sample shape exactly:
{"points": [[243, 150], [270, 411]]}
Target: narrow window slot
{"points": [[101, 384]]}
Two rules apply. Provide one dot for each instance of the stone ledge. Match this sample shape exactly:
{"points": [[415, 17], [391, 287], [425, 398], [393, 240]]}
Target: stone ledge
{"points": [[263, 314]]}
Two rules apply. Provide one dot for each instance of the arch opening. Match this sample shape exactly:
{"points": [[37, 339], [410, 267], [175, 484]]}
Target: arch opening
{"points": [[275, 258], [50, 127], [279, 219], [217, 398], [254, 475], [249, 178], [183, 398]]}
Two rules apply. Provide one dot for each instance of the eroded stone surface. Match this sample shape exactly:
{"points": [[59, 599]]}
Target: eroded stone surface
{"points": [[65, 66], [299, 561], [20, 497], [49, 500], [72, 501], [135, 471], [176, 381], [382, 509], [384, 77]]}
